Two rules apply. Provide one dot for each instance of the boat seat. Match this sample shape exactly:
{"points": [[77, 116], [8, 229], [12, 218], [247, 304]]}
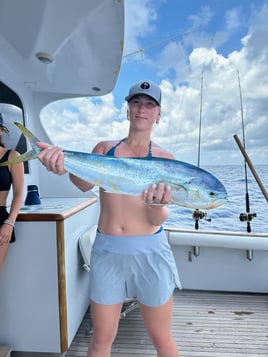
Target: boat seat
{"points": [[5, 351], [86, 241]]}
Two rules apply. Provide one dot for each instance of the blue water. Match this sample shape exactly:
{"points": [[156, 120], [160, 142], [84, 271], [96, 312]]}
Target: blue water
{"points": [[226, 217]]}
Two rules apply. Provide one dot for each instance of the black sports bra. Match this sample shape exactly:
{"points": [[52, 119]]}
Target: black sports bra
{"points": [[5, 175], [111, 151]]}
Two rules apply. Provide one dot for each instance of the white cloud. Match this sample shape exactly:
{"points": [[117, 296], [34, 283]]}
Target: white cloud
{"points": [[202, 18], [139, 19], [86, 121], [233, 18]]}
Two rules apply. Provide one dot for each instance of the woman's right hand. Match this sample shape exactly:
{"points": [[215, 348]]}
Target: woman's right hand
{"points": [[52, 158]]}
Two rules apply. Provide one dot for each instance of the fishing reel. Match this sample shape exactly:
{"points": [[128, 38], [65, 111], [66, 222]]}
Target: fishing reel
{"points": [[247, 217], [197, 215]]}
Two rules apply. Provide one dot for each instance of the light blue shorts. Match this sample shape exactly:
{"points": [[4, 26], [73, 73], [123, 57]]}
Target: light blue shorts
{"points": [[140, 267]]}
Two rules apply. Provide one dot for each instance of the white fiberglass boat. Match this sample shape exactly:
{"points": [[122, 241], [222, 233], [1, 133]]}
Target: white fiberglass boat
{"points": [[52, 50]]}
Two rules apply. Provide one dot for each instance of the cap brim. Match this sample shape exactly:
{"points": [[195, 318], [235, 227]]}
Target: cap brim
{"points": [[129, 97]]}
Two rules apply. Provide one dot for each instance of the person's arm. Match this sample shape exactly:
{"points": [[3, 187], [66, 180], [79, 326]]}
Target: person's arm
{"points": [[17, 173], [156, 214], [81, 184]]}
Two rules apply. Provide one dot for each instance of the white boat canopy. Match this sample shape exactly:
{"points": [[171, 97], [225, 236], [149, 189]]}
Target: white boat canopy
{"points": [[61, 49]]}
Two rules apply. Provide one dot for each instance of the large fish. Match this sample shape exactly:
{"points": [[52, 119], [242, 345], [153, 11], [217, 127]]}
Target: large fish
{"points": [[191, 186]]}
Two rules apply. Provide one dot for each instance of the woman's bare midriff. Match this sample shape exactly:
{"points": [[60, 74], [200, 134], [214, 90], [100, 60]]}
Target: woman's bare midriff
{"points": [[123, 215]]}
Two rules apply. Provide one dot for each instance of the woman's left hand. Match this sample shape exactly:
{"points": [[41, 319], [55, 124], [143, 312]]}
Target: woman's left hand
{"points": [[159, 194]]}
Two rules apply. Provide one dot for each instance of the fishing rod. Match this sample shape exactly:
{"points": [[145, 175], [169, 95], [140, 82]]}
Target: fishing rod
{"points": [[251, 166], [200, 118], [197, 214], [248, 216]]}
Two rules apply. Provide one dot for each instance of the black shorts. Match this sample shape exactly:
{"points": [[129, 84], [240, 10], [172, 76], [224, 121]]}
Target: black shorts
{"points": [[3, 216]]}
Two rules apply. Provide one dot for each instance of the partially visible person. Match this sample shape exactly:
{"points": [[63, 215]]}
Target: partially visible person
{"points": [[10, 177], [131, 256]]}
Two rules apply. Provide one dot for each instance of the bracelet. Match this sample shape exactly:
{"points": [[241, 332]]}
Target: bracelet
{"points": [[7, 221]]}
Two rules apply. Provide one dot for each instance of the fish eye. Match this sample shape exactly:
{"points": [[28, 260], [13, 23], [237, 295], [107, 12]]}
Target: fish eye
{"points": [[212, 194]]}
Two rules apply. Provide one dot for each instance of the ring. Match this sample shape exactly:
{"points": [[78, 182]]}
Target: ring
{"points": [[50, 147]]}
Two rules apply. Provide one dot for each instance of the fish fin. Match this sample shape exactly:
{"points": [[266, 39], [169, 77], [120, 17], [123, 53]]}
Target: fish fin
{"points": [[194, 181], [179, 193], [30, 137], [29, 155]]}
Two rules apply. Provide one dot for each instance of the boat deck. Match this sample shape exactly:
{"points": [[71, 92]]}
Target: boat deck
{"points": [[205, 324]]}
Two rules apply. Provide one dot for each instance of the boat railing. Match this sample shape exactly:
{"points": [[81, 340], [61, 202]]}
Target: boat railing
{"points": [[219, 239]]}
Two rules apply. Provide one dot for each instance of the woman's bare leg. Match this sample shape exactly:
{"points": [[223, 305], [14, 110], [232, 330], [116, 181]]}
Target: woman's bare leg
{"points": [[105, 325], [157, 321]]}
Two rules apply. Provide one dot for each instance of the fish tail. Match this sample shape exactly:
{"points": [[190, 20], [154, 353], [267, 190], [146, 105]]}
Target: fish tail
{"points": [[29, 155]]}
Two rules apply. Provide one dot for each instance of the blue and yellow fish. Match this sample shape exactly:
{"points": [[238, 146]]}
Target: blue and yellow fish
{"points": [[191, 186]]}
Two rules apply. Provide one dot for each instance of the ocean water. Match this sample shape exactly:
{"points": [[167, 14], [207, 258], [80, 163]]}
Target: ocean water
{"points": [[226, 217]]}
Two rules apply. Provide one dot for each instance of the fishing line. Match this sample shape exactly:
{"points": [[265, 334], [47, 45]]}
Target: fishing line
{"points": [[245, 217], [158, 43]]}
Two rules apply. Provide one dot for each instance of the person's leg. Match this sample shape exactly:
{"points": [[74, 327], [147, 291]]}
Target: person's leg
{"points": [[105, 320], [3, 253], [157, 321]]}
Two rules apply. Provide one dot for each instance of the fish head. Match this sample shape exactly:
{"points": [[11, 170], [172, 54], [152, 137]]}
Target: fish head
{"points": [[202, 192]]}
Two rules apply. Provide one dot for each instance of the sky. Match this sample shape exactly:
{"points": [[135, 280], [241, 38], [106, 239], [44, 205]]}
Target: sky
{"points": [[210, 59]]}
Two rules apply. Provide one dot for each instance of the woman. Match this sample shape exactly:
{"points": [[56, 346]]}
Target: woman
{"points": [[10, 176], [131, 256]]}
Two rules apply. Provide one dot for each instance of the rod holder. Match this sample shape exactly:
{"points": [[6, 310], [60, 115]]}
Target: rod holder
{"points": [[196, 250], [250, 255]]}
